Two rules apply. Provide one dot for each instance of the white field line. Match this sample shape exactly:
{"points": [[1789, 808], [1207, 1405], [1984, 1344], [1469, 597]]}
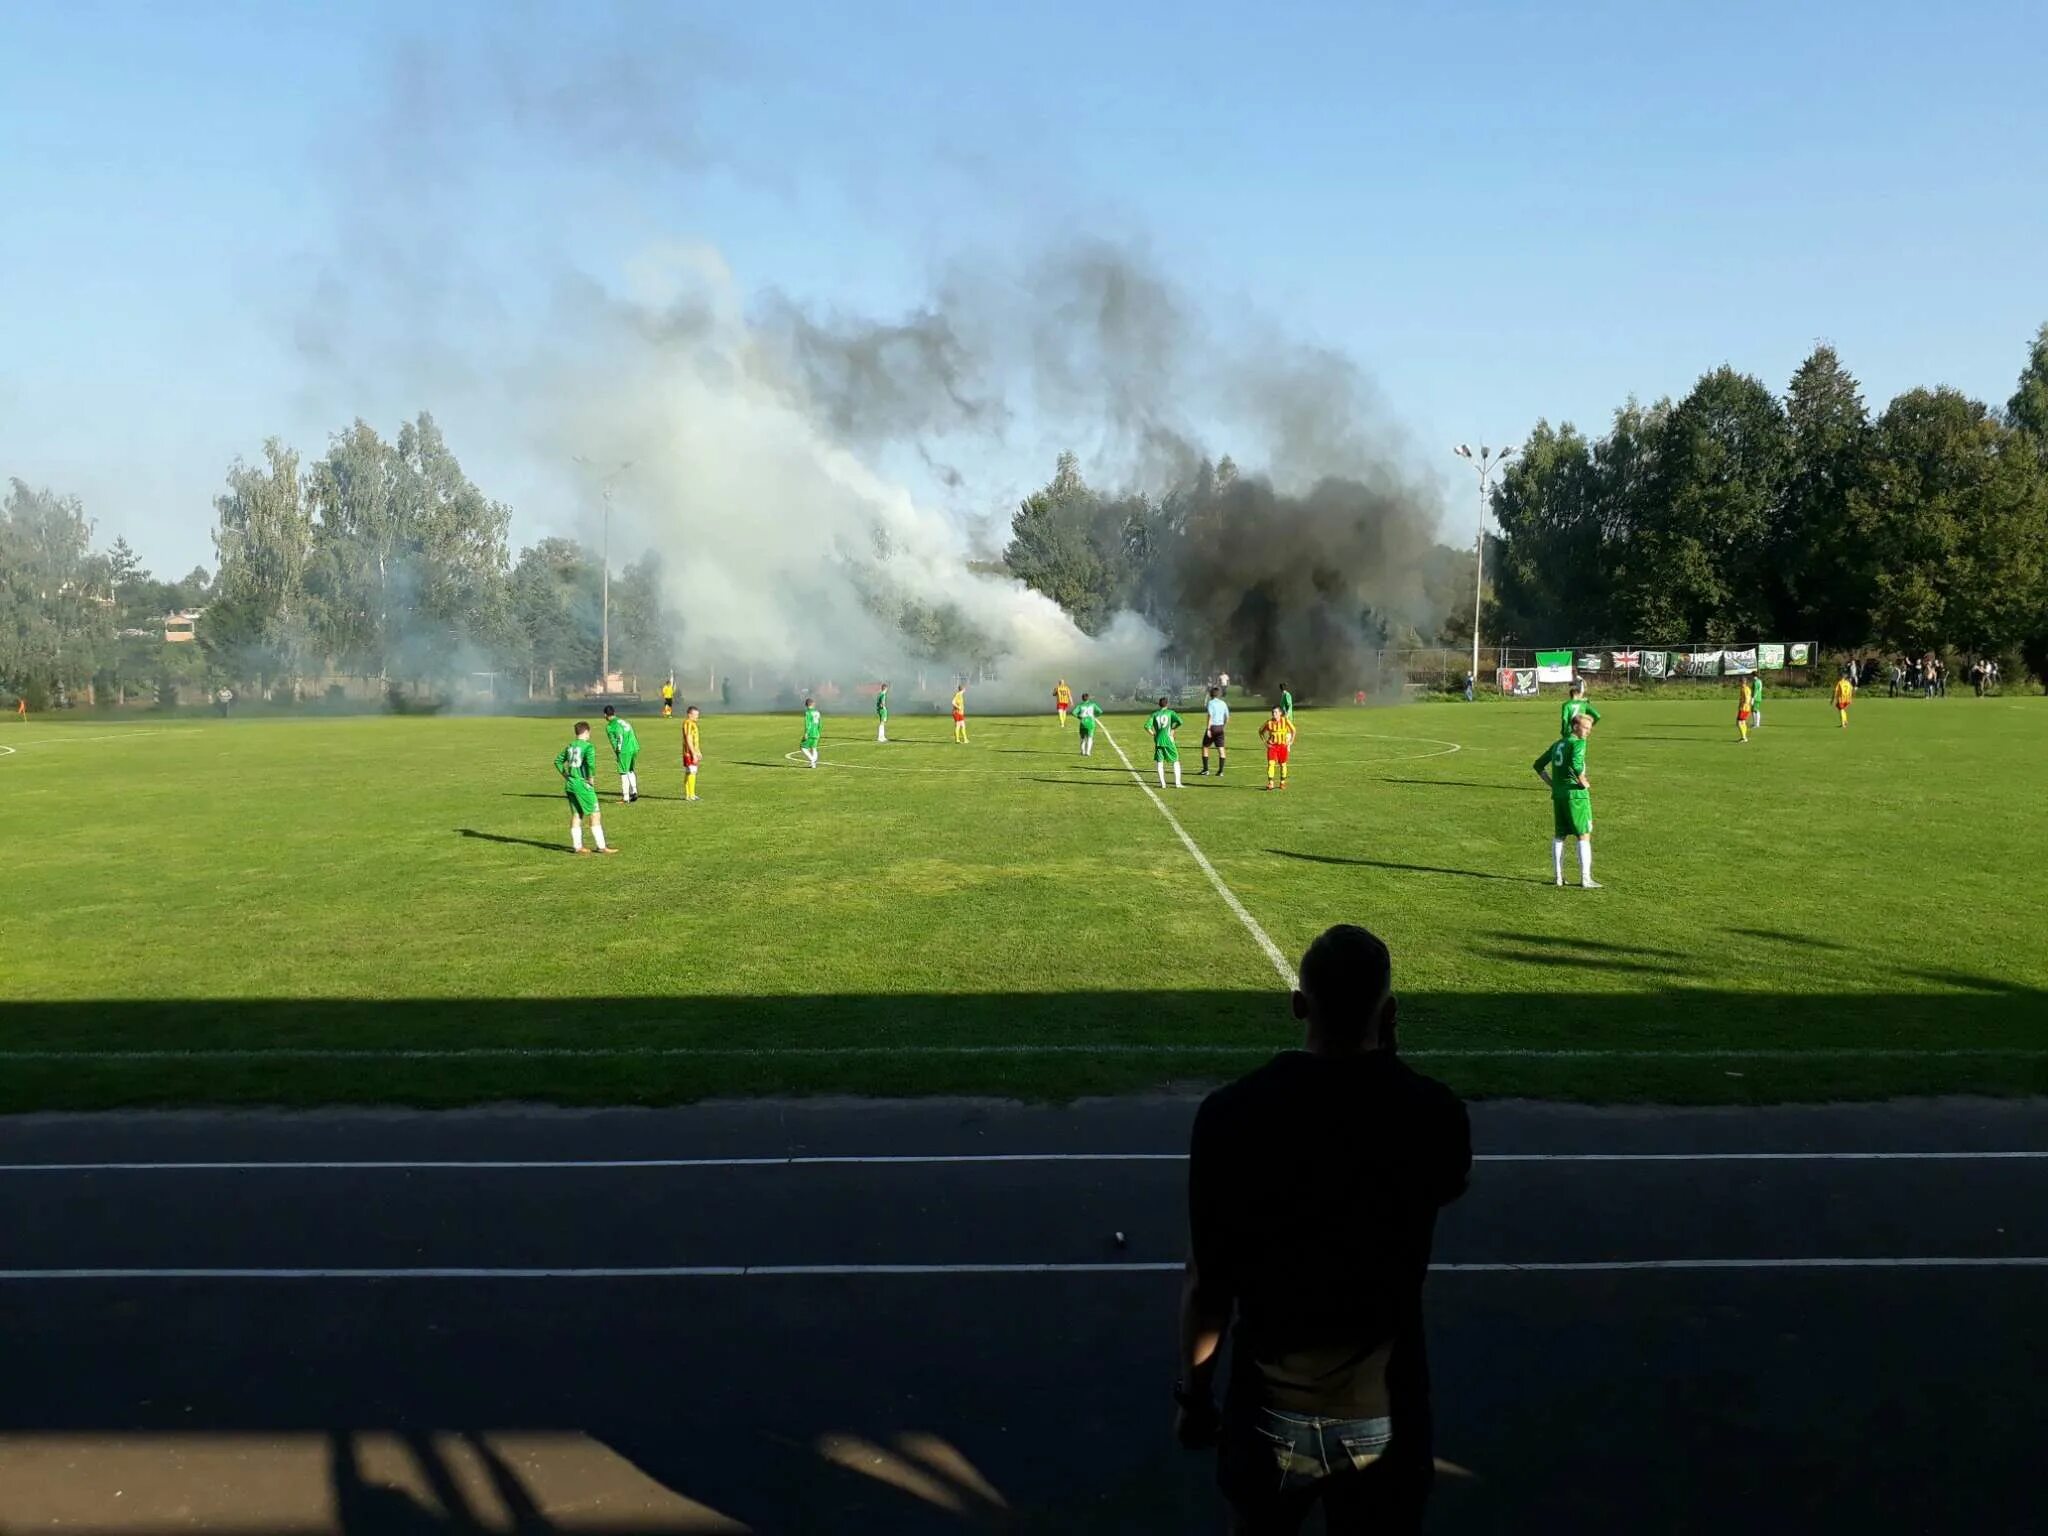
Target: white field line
{"points": [[1251, 924], [58, 741], [287, 1053], [827, 1271], [607, 1164]]}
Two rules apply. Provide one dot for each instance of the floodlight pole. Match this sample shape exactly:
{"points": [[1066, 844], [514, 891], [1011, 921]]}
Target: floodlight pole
{"points": [[1486, 461], [604, 662]]}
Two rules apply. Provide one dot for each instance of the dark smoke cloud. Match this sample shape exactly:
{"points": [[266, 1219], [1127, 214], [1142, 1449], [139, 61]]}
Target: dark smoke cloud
{"points": [[1301, 590]]}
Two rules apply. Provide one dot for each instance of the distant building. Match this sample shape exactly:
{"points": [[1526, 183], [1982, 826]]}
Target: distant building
{"points": [[178, 627]]}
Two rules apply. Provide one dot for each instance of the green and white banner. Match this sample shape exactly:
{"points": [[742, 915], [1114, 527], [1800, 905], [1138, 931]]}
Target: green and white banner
{"points": [[1553, 666], [1655, 663], [1770, 658], [1739, 663], [1802, 655]]}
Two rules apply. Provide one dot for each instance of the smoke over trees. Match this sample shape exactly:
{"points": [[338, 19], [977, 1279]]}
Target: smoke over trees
{"points": [[1236, 575]]}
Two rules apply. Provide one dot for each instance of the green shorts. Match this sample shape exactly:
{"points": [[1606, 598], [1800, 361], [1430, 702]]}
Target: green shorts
{"points": [[1169, 753], [627, 758], [810, 743], [582, 798], [1572, 815]]}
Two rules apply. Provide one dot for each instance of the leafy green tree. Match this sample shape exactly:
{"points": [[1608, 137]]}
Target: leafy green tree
{"points": [[1956, 517], [1695, 556], [1552, 575], [2028, 408], [1060, 545], [1825, 591], [261, 625]]}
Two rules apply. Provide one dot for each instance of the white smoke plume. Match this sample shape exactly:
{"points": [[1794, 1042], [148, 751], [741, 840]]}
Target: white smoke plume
{"points": [[764, 437]]}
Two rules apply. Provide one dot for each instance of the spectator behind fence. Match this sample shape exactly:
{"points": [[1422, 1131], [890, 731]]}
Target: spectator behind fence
{"points": [[1313, 1188]]}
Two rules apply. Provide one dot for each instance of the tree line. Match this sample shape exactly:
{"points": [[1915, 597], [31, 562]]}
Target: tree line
{"points": [[1735, 514], [380, 560]]}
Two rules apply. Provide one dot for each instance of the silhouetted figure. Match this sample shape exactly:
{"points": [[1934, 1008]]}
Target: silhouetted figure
{"points": [[1313, 1188]]}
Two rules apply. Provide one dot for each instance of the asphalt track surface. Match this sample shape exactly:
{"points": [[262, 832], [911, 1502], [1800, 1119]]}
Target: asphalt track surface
{"points": [[747, 1317]]}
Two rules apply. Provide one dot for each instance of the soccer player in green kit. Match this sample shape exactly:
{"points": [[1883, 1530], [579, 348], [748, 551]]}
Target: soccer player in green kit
{"points": [[1574, 707], [814, 727], [1087, 714], [625, 751], [1756, 702], [882, 714], [1563, 767], [1165, 749], [1286, 703], [577, 764]]}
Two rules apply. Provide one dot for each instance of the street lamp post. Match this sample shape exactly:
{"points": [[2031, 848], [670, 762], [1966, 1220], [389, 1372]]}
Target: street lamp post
{"points": [[1486, 461], [604, 662]]}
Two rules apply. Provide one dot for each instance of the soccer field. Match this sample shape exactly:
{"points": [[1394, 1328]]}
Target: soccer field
{"points": [[385, 909]]}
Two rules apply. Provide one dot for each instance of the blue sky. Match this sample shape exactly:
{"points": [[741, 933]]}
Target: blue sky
{"points": [[1501, 211]]}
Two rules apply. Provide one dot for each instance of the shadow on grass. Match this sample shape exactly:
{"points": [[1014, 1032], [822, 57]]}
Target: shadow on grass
{"points": [[1531, 788], [1804, 941], [1416, 869], [516, 842]]}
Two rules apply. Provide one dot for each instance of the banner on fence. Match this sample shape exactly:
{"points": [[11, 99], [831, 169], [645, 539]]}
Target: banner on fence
{"points": [[1770, 658], [1553, 666], [1625, 661], [1517, 681], [1739, 663], [1697, 663], [1802, 654], [1656, 663], [1589, 661]]}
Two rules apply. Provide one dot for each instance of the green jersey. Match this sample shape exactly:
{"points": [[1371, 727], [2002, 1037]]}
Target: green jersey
{"points": [[1087, 712], [1570, 711], [1286, 703], [1756, 691], [882, 705], [1162, 725], [814, 724], [578, 760], [1566, 760], [620, 734]]}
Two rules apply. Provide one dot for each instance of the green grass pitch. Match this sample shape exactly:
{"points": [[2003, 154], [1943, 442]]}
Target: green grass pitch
{"points": [[316, 910]]}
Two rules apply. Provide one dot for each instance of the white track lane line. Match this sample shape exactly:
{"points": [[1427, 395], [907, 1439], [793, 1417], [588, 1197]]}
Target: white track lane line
{"points": [[825, 1271], [596, 1165], [1106, 1048], [1251, 924]]}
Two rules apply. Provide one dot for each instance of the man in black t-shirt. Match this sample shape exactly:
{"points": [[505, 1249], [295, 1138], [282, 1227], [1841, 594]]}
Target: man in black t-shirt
{"points": [[1313, 1188]]}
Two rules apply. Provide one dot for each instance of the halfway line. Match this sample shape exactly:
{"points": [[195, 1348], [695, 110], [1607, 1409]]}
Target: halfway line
{"points": [[1251, 924]]}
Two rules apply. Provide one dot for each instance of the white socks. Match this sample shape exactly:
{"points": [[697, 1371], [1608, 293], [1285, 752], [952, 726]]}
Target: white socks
{"points": [[1557, 858], [629, 785], [881, 733], [812, 754], [1176, 773], [597, 833], [1162, 775], [576, 834], [1585, 861]]}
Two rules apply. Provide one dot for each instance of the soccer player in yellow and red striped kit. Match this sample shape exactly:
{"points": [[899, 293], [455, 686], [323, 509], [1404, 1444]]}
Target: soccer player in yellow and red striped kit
{"points": [[1278, 733]]}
